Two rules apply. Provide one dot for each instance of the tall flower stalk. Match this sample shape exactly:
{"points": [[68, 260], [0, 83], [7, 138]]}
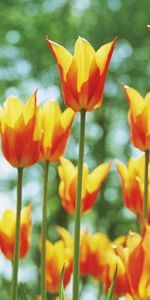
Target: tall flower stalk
{"points": [[78, 209], [14, 290], [83, 76], [145, 202], [44, 232]]}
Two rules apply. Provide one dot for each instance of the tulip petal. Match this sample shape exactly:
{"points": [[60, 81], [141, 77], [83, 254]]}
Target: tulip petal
{"points": [[62, 56], [12, 110], [103, 55], [135, 101], [29, 108], [83, 55], [51, 113], [96, 178]]}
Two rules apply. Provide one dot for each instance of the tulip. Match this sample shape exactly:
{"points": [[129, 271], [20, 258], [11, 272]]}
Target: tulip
{"points": [[7, 232], [132, 177], [83, 74], [56, 256], [93, 249], [119, 257], [138, 267], [56, 131], [139, 118], [93, 257], [139, 122], [91, 184], [148, 27], [21, 131], [21, 140]]}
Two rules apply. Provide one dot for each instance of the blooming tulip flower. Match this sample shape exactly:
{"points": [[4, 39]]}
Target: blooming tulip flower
{"points": [[93, 248], [56, 256], [83, 74], [121, 247], [7, 232], [132, 177], [138, 267], [139, 118], [90, 187], [56, 130], [148, 27], [20, 131], [93, 258]]}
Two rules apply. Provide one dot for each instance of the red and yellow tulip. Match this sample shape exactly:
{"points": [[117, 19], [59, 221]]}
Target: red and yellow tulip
{"points": [[21, 131], [121, 247], [138, 267], [90, 187], [132, 177], [8, 232], [56, 130], [139, 120], [56, 256], [83, 74]]}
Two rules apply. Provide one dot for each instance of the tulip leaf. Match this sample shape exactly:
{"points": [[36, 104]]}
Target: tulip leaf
{"points": [[110, 290], [22, 293], [61, 290]]}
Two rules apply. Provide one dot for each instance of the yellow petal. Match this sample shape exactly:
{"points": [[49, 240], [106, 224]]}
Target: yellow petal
{"points": [[25, 214], [84, 180], [147, 110], [96, 178], [101, 55], [7, 225], [83, 55], [66, 118], [12, 110], [135, 101], [29, 108], [65, 236], [51, 113], [122, 170], [62, 56], [66, 170]]}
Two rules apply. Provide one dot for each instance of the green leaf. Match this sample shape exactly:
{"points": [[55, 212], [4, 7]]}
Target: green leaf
{"points": [[22, 293], [61, 290], [110, 291]]}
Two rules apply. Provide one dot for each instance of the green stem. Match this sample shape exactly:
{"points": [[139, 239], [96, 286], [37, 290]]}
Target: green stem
{"points": [[44, 232], [138, 224], [100, 292], [53, 296], [78, 209], [14, 290], [145, 204]]}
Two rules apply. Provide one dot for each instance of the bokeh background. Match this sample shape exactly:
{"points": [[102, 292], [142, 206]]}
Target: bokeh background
{"points": [[27, 64]]}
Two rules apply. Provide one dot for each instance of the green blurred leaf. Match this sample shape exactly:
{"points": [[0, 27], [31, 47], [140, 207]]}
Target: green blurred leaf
{"points": [[110, 291], [61, 291], [22, 293]]}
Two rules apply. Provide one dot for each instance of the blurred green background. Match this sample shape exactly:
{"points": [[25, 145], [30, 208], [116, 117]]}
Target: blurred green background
{"points": [[27, 64]]}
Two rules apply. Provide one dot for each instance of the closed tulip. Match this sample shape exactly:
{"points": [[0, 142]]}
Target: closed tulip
{"points": [[56, 130], [119, 257], [83, 74], [139, 118], [7, 232], [138, 267], [21, 131], [56, 256], [90, 187], [132, 177]]}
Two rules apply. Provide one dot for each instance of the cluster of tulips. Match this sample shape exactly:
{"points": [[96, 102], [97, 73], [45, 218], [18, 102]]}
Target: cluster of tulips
{"points": [[30, 133]]}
